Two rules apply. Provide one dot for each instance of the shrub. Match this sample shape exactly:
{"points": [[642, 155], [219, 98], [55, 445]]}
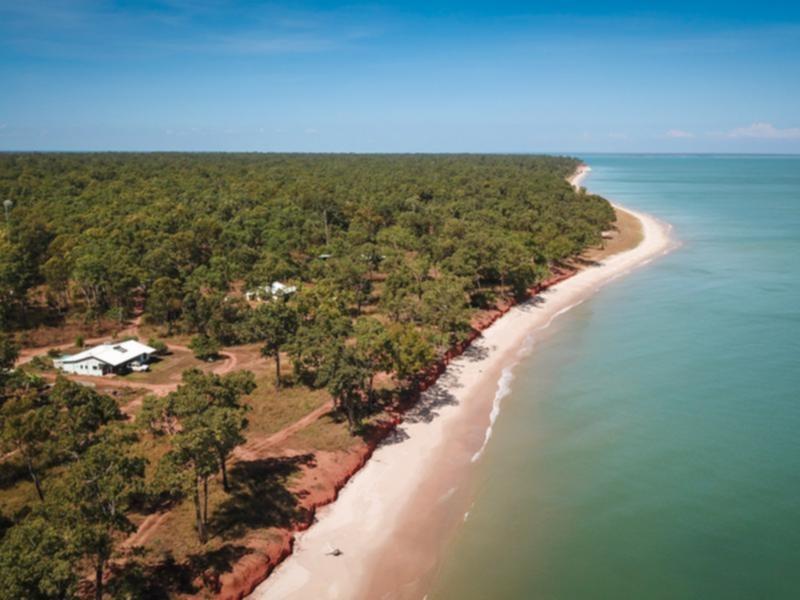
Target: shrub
{"points": [[42, 363], [204, 347], [161, 347]]}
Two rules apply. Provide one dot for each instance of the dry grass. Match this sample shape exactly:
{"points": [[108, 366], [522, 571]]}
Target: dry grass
{"points": [[327, 434], [627, 234], [272, 410], [16, 488], [67, 331], [260, 502], [168, 369]]}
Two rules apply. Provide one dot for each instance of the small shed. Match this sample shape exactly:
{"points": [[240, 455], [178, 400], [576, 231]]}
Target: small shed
{"points": [[269, 292]]}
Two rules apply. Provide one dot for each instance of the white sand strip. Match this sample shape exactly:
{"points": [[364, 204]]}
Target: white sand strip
{"points": [[381, 515], [580, 174]]}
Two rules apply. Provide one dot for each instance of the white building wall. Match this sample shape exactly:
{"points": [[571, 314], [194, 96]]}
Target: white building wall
{"points": [[88, 366]]}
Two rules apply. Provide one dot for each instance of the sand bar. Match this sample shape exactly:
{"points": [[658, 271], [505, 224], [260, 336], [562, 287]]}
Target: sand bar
{"points": [[390, 519]]}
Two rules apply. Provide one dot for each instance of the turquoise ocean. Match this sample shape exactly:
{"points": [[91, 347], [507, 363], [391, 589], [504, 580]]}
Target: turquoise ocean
{"points": [[650, 445]]}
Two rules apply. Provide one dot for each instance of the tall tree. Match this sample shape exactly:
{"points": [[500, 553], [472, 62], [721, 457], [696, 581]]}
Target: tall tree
{"points": [[205, 420], [373, 350], [81, 413], [347, 382], [275, 324], [323, 327], [38, 558], [28, 422], [96, 492], [9, 351], [444, 306], [165, 301], [411, 353], [14, 282], [186, 468]]}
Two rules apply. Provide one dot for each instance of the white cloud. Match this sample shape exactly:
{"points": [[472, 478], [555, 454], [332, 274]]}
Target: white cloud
{"points": [[679, 133], [765, 131]]}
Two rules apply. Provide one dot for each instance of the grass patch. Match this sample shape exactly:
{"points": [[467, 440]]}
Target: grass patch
{"points": [[272, 409], [328, 434], [17, 492], [167, 369]]}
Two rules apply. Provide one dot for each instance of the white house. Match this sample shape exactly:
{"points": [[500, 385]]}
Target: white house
{"points": [[106, 358], [268, 292]]}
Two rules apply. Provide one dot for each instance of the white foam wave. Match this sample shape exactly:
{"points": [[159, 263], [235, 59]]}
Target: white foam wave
{"points": [[527, 346], [560, 312], [447, 495], [507, 376], [503, 389], [469, 510]]}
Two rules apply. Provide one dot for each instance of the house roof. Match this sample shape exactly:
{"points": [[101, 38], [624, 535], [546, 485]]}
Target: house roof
{"points": [[276, 288], [114, 354], [279, 289]]}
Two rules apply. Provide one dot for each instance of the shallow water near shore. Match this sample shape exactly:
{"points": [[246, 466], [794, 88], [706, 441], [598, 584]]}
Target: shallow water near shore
{"points": [[648, 447]]}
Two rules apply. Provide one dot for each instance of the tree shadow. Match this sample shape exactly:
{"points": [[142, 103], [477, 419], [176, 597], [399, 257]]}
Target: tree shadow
{"points": [[475, 352], [36, 315], [397, 435], [12, 472], [587, 262], [424, 410], [260, 497], [168, 578], [532, 303], [429, 403]]}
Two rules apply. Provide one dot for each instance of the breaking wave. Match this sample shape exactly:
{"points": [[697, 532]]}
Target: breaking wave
{"points": [[507, 376]]}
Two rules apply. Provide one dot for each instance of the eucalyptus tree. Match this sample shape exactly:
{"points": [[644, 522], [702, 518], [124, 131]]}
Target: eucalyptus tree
{"points": [[37, 559], [95, 496], [347, 377], [27, 422], [372, 349], [274, 323], [205, 420]]}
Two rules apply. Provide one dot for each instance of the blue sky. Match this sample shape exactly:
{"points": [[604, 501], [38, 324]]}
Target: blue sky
{"points": [[400, 77]]}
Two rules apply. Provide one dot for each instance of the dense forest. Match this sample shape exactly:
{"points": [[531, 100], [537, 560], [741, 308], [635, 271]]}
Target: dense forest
{"points": [[100, 232], [388, 258]]}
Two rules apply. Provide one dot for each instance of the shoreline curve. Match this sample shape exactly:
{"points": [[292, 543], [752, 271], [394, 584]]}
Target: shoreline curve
{"points": [[393, 515]]}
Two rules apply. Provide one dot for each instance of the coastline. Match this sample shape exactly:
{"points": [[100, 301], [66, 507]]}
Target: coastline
{"points": [[581, 173], [415, 489]]}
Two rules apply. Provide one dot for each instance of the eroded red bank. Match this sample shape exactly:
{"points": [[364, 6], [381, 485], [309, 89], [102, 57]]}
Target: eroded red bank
{"points": [[322, 479]]}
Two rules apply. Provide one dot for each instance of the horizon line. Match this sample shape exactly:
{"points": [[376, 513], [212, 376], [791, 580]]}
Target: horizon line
{"points": [[404, 152]]}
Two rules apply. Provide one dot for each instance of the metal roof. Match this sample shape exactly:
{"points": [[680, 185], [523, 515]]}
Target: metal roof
{"points": [[114, 353]]}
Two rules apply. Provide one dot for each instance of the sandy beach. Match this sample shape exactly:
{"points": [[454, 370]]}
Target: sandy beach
{"points": [[381, 538], [581, 173]]}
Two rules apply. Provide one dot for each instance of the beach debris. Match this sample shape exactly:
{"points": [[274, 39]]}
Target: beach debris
{"points": [[331, 551]]}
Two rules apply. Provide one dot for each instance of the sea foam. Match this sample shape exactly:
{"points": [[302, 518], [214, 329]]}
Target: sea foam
{"points": [[503, 389], [507, 376]]}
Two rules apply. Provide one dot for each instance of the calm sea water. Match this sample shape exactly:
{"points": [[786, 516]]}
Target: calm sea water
{"points": [[650, 448]]}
